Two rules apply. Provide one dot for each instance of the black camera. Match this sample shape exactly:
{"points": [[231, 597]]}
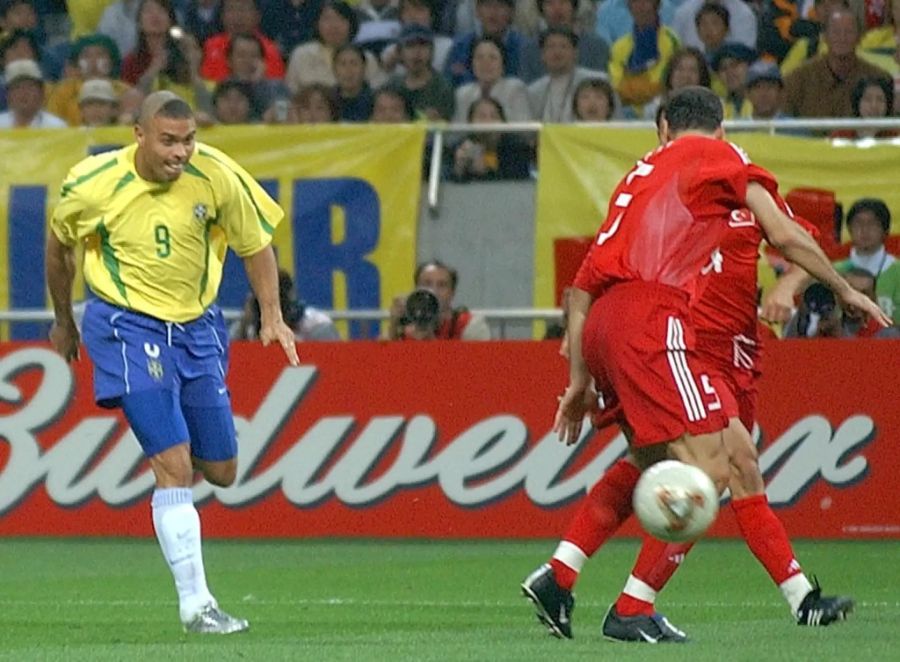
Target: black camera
{"points": [[423, 310]]}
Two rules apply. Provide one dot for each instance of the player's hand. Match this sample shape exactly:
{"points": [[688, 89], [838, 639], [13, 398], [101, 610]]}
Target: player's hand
{"points": [[777, 306], [282, 334], [65, 338], [856, 300], [573, 405]]}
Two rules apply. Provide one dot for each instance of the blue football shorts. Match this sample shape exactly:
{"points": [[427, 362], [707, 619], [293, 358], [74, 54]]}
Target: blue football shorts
{"points": [[168, 378]]}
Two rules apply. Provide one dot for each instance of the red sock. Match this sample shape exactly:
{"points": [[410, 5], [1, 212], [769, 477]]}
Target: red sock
{"points": [[766, 537], [606, 506], [656, 563]]}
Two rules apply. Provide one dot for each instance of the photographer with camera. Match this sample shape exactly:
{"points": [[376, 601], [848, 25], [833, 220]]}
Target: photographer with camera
{"points": [[306, 322], [428, 313], [820, 316]]}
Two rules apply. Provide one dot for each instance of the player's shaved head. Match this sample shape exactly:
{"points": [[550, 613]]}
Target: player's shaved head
{"points": [[164, 104], [694, 108]]}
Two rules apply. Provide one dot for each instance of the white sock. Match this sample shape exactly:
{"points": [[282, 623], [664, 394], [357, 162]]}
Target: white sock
{"points": [[794, 589], [177, 525], [571, 555], [639, 590]]}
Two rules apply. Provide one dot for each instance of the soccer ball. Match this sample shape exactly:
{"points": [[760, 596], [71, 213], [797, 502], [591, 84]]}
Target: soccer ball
{"points": [[675, 502]]}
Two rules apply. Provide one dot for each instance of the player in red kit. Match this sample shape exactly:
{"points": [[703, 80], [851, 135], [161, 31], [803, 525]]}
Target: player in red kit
{"points": [[632, 299]]}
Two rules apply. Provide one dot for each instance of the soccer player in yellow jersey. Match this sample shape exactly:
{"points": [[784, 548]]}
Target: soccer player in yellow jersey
{"points": [[155, 219]]}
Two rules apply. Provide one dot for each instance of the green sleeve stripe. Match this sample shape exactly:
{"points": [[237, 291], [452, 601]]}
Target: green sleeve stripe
{"points": [[110, 261], [67, 188], [205, 278], [259, 215], [191, 169], [127, 178]]}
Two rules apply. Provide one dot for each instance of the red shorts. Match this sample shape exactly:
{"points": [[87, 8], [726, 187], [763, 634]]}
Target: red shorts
{"points": [[639, 347], [736, 359]]}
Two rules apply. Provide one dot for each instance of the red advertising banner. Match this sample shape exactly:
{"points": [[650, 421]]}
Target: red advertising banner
{"points": [[432, 440]]}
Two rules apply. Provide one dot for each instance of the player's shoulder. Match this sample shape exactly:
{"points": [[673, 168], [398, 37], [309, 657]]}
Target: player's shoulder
{"points": [[215, 164], [708, 147], [96, 169]]}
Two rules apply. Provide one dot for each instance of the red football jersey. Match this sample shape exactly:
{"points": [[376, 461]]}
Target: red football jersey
{"points": [[728, 303], [667, 216]]}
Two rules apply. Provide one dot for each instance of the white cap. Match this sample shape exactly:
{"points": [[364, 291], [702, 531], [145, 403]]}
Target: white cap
{"points": [[97, 89], [22, 69]]}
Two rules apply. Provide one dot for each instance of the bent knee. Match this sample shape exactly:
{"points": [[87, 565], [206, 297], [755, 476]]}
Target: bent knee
{"points": [[221, 474]]}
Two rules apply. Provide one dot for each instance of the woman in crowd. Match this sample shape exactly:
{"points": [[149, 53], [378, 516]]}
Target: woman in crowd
{"points": [[312, 62], [490, 156], [594, 101], [488, 62]]}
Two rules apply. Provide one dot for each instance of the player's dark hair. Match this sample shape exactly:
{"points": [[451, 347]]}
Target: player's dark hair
{"points": [[874, 205], [454, 276], [694, 108], [175, 109]]}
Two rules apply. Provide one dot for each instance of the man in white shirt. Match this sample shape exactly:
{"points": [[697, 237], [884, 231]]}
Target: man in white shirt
{"points": [[25, 98], [551, 96]]}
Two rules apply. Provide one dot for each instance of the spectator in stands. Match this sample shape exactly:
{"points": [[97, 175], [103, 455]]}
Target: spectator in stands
{"points": [[809, 35], [823, 86], [25, 98], [119, 23], [593, 101], [21, 15], [495, 21], [872, 98], [234, 103], [731, 63], [417, 13], [354, 95], [166, 59], [16, 45], [203, 19], [239, 17], [639, 59], [713, 21], [246, 61], [418, 317], [490, 156], [742, 22], [308, 323], [869, 223], [98, 103], [312, 62], [687, 67], [391, 106], [552, 96], [314, 104], [93, 57], [430, 94], [488, 65], [614, 21], [290, 22], [592, 51], [379, 24], [765, 91]]}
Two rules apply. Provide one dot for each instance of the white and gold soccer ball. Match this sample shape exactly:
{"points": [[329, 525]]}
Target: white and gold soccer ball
{"points": [[675, 502]]}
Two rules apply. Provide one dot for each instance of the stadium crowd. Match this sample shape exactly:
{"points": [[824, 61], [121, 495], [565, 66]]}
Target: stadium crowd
{"points": [[91, 62]]}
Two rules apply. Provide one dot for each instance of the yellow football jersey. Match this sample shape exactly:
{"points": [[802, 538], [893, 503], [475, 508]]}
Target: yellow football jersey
{"points": [[158, 248]]}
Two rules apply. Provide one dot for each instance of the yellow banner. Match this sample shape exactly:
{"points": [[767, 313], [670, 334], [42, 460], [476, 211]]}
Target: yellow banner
{"points": [[351, 194], [580, 167]]}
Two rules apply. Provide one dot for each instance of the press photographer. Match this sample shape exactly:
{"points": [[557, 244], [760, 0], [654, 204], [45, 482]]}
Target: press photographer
{"points": [[428, 313]]}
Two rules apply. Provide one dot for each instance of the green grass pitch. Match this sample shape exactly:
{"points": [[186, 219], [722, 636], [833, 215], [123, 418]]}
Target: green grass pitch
{"points": [[422, 600]]}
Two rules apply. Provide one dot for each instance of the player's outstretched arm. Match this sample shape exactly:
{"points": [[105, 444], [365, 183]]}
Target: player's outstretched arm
{"points": [[262, 270], [801, 249], [573, 404], [60, 272]]}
